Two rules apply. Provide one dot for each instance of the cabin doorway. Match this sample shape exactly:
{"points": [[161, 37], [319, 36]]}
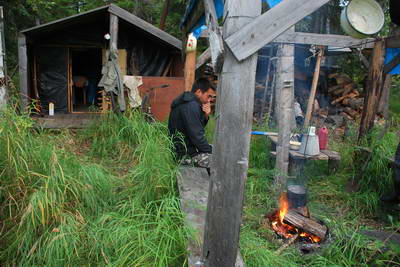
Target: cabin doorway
{"points": [[85, 74]]}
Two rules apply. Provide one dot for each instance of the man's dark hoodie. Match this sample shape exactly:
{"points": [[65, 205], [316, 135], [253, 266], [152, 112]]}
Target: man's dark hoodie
{"points": [[186, 123]]}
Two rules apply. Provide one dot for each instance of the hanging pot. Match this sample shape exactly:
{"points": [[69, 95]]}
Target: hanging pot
{"points": [[362, 18]]}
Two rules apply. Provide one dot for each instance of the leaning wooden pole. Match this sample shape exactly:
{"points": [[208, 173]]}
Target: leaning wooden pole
{"points": [[3, 67], [231, 144], [373, 89], [313, 91]]}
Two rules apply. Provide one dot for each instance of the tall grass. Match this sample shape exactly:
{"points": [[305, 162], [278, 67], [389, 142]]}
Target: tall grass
{"points": [[62, 209]]}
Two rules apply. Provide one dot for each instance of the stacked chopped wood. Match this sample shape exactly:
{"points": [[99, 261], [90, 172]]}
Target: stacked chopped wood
{"points": [[346, 96]]}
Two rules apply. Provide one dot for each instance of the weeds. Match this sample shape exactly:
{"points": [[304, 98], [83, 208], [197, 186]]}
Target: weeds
{"points": [[106, 196], [58, 209]]}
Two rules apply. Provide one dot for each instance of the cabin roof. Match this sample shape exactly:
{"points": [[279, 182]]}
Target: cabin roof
{"points": [[57, 25]]}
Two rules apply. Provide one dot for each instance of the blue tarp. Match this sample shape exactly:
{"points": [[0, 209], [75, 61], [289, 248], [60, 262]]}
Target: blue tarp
{"points": [[272, 3], [390, 54], [219, 8]]}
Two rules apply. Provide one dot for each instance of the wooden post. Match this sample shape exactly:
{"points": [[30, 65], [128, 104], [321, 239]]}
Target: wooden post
{"points": [[373, 89], [284, 110], [3, 67], [190, 62], [261, 31], [23, 71], [231, 144], [383, 106], [311, 99], [113, 32]]}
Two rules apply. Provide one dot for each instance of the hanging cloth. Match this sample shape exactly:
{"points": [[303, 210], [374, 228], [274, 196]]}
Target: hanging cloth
{"points": [[111, 80], [133, 83]]}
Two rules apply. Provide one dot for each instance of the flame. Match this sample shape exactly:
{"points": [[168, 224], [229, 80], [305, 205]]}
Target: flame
{"points": [[283, 206], [286, 230]]}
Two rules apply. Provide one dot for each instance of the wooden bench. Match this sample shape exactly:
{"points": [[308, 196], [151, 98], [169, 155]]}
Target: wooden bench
{"points": [[193, 186], [297, 160]]}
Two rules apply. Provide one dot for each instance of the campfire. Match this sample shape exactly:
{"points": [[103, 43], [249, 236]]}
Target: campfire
{"points": [[292, 221]]}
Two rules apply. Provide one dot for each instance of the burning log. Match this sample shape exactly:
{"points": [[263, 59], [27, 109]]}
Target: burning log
{"points": [[284, 246], [306, 224]]}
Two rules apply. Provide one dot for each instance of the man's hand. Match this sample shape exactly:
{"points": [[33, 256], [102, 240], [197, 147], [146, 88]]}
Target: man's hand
{"points": [[206, 109]]}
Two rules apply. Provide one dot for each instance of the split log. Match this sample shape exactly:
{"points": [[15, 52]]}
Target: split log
{"points": [[346, 116], [345, 86], [290, 242], [306, 224], [338, 92], [351, 95], [334, 88], [354, 103], [351, 112], [348, 88]]}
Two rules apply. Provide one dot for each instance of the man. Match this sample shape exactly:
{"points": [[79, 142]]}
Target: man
{"points": [[394, 197], [188, 117]]}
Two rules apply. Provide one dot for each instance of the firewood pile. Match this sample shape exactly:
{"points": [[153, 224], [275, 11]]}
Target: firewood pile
{"points": [[346, 101]]}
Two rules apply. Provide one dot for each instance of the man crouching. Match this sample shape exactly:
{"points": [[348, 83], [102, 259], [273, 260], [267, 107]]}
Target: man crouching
{"points": [[188, 117]]}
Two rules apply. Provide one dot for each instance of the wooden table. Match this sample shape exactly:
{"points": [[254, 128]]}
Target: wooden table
{"points": [[298, 160]]}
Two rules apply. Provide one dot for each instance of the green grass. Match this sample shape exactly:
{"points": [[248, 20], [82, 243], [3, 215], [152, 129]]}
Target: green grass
{"points": [[346, 214], [64, 209], [106, 196]]}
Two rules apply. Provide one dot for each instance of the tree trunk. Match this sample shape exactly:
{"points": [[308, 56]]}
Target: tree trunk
{"points": [[164, 14]]}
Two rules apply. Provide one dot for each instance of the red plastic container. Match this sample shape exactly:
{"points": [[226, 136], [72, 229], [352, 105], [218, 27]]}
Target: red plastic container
{"points": [[323, 138]]}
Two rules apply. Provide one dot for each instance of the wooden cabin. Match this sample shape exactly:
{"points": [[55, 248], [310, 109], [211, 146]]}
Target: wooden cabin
{"points": [[60, 59]]}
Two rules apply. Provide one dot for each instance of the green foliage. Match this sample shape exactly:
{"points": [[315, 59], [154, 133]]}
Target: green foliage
{"points": [[60, 208]]}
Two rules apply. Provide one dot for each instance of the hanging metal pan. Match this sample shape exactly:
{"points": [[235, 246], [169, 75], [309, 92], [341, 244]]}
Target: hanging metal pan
{"points": [[362, 18]]}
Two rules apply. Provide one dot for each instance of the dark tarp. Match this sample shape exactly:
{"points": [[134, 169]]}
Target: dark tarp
{"points": [[147, 60], [53, 77]]}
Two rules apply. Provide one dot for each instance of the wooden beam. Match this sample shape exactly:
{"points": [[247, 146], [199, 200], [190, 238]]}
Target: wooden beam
{"points": [[285, 113], [324, 40], [231, 144], [373, 90], [215, 37], [393, 42], [203, 58], [193, 185], [270, 25], [23, 71], [154, 31]]}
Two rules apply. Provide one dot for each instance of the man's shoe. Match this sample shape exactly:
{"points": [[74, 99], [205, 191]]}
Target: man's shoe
{"points": [[391, 198]]}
